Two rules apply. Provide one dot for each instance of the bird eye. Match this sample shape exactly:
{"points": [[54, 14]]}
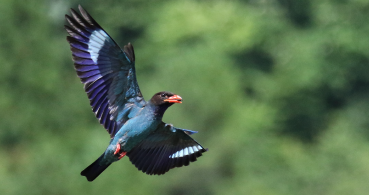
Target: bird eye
{"points": [[163, 95]]}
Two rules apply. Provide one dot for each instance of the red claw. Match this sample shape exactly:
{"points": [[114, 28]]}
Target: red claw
{"points": [[122, 155], [117, 150]]}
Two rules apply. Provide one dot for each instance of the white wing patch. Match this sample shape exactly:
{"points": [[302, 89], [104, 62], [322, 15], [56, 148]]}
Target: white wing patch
{"points": [[95, 43], [186, 151]]}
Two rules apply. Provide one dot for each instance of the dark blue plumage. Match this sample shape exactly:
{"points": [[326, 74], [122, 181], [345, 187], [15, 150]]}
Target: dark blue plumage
{"points": [[135, 125], [95, 169]]}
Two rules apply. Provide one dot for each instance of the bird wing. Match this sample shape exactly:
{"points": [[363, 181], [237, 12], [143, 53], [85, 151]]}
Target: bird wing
{"points": [[107, 72], [167, 147]]}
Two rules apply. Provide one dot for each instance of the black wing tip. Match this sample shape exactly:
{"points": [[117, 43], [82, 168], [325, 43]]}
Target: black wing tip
{"points": [[129, 51], [68, 18], [74, 13], [81, 9], [71, 39], [147, 168]]}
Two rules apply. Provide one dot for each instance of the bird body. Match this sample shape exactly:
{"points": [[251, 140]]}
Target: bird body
{"points": [[135, 126], [132, 132], [136, 129]]}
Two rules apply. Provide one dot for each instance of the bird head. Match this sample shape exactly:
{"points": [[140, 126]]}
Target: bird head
{"points": [[166, 98]]}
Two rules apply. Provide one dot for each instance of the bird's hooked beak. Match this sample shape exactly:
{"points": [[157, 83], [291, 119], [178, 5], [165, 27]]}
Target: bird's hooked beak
{"points": [[174, 99]]}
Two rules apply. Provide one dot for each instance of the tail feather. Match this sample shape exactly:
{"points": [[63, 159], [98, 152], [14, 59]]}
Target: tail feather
{"points": [[95, 169]]}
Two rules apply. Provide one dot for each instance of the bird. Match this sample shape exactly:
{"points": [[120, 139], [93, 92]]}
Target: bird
{"points": [[135, 126]]}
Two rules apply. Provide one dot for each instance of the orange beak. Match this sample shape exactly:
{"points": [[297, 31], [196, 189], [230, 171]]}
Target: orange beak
{"points": [[174, 99]]}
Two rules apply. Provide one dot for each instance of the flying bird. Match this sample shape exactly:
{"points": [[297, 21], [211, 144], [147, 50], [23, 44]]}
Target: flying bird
{"points": [[135, 126]]}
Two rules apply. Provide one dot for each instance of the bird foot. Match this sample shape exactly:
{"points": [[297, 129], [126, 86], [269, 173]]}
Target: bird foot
{"points": [[121, 155], [117, 151]]}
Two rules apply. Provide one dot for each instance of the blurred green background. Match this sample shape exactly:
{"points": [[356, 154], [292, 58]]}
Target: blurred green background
{"points": [[278, 90]]}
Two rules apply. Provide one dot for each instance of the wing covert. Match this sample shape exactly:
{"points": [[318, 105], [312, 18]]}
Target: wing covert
{"points": [[166, 148], [107, 71]]}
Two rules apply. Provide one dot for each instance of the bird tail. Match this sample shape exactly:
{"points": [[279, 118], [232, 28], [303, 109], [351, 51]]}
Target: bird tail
{"points": [[95, 169]]}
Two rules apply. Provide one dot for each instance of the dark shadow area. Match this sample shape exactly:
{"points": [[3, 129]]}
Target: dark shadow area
{"points": [[303, 115], [298, 12], [128, 34], [255, 58], [353, 68]]}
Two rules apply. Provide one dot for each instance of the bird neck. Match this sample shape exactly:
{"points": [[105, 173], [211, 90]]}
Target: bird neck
{"points": [[158, 110]]}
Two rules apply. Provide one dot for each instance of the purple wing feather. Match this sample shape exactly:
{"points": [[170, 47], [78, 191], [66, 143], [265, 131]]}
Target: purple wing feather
{"points": [[107, 71]]}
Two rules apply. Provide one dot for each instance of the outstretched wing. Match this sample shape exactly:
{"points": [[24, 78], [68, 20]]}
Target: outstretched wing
{"points": [[164, 149], [107, 71]]}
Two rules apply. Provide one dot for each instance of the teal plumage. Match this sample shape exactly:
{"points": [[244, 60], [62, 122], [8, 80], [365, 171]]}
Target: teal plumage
{"points": [[135, 125]]}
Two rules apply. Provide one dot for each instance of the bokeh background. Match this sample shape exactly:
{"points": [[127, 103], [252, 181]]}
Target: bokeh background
{"points": [[278, 90]]}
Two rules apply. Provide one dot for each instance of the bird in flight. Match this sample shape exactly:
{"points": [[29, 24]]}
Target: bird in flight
{"points": [[135, 126]]}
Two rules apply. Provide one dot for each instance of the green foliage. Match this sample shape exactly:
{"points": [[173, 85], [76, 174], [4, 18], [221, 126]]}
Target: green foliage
{"points": [[278, 91]]}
